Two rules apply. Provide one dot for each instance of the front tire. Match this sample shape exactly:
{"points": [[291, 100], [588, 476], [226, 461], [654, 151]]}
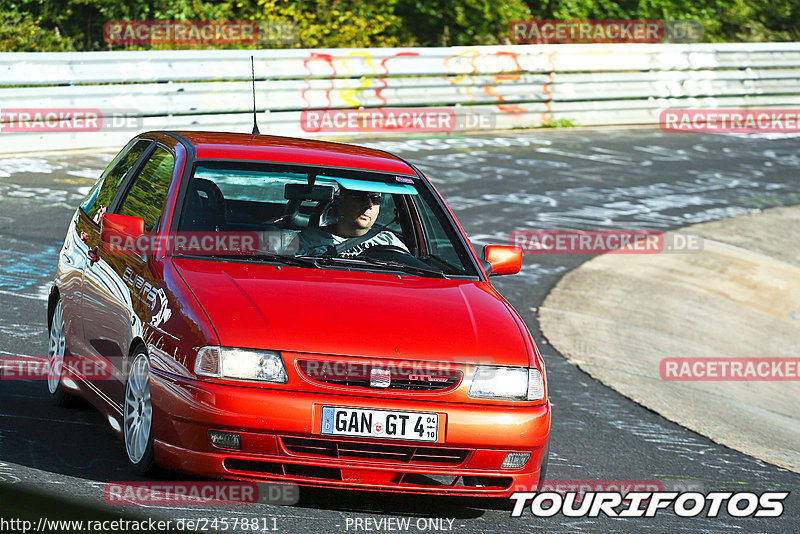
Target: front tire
{"points": [[543, 469], [137, 422], [56, 348]]}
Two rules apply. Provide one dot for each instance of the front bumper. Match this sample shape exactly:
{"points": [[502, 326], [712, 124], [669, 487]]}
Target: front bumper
{"points": [[281, 440]]}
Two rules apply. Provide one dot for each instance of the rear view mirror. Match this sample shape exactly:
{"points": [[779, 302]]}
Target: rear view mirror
{"points": [[503, 259], [117, 231], [319, 193]]}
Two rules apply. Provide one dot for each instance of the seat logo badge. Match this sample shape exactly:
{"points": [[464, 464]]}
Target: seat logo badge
{"points": [[380, 378]]}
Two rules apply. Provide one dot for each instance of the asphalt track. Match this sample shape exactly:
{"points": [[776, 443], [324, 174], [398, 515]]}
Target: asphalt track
{"points": [[547, 179]]}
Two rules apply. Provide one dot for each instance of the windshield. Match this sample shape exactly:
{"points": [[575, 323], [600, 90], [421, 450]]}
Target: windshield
{"points": [[324, 218]]}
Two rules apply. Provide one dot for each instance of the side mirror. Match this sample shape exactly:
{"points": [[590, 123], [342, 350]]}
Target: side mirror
{"points": [[118, 230], [503, 259]]}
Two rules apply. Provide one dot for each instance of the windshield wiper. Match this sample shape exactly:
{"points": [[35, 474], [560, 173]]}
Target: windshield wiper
{"points": [[300, 261], [442, 261], [394, 265]]}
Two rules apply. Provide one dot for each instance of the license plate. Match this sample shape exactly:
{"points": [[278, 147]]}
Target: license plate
{"points": [[387, 424]]}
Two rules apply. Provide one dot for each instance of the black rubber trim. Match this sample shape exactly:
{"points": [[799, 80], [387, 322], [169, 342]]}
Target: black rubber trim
{"points": [[190, 149], [188, 169]]}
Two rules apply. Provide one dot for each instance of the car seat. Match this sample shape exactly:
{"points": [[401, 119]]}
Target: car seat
{"points": [[205, 207]]}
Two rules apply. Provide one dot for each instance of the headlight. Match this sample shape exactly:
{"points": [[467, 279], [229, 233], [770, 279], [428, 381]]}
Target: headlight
{"points": [[507, 383], [241, 364]]}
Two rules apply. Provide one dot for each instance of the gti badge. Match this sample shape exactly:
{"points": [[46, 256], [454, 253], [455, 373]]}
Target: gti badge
{"points": [[380, 378], [428, 378]]}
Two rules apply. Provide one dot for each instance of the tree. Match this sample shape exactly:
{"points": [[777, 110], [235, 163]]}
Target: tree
{"points": [[337, 23], [460, 22]]}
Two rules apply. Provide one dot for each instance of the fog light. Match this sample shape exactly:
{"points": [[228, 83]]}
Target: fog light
{"points": [[226, 440], [515, 460]]}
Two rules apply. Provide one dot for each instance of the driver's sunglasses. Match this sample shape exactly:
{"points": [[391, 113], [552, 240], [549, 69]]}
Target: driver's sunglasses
{"points": [[363, 196]]}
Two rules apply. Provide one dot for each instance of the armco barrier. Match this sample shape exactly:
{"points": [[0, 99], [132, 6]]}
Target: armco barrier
{"points": [[520, 86]]}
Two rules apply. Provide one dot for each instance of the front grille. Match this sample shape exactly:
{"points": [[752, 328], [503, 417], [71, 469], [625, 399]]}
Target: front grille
{"points": [[235, 464], [312, 472], [271, 468], [357, 375], [329, 448]]}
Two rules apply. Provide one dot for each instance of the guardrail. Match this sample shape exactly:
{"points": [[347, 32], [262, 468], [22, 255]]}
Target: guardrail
{"points": [[517, 86]]}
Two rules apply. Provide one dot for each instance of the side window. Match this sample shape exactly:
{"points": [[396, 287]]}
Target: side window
{"points": [[146, 196], [100, 196], [438, 242], [388, 216]]}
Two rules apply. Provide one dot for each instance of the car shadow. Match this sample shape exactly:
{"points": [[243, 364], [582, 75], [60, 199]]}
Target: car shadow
{"points": [[74, 442], [402, 504], [77, 442]]}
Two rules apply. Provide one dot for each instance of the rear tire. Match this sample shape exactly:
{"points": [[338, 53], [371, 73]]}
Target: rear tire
{"points": [[56, 348], [137, 421]]}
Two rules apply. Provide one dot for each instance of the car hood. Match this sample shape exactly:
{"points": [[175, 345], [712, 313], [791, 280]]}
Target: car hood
{"points": [[379, 315]]}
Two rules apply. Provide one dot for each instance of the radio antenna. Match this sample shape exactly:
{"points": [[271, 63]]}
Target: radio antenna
{"points": [[253, 72]]}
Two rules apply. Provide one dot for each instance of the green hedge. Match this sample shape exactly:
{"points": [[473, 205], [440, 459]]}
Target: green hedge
{"points": [[57, 25]]}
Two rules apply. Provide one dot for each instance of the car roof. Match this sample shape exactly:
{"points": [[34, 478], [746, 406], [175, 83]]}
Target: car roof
{"points": [[271, 148]]}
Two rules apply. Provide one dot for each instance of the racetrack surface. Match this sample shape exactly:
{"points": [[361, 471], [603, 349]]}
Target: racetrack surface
{"points": [[618, 316], [548, 179]]}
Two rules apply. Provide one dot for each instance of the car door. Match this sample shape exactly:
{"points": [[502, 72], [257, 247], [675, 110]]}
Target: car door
{"points": [[118, 287]]}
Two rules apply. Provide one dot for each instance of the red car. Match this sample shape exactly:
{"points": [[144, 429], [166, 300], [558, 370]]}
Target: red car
{"points": [[288, 310]]}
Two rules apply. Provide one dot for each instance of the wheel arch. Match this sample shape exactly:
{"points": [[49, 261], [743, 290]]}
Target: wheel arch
{"points": [[137, 342]]}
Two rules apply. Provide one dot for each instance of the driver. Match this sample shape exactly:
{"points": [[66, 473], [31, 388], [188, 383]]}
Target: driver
{"points": [[357, 212]]}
